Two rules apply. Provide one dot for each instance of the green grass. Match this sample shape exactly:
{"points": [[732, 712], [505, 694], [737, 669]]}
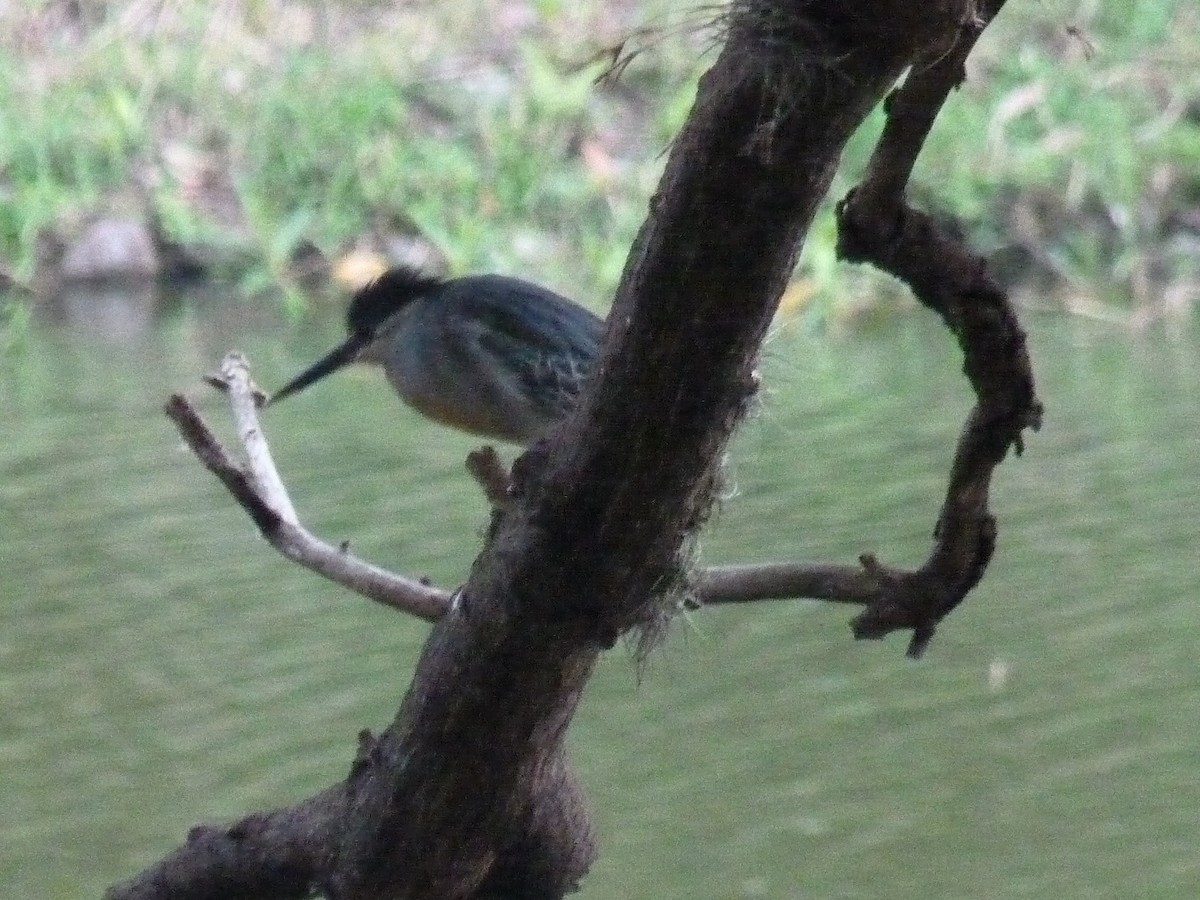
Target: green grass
{"points": [[481, 124], [1093, 140]]}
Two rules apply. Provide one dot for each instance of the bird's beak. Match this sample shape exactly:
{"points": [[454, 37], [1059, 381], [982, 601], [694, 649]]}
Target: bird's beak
{"points": [[340, 356]]}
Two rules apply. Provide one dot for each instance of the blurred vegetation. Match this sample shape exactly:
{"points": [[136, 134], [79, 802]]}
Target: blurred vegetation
{"points": [[1072, 154]]}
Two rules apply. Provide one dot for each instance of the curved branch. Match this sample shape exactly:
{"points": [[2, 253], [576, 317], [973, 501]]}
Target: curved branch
{"points": [[876, 225]]}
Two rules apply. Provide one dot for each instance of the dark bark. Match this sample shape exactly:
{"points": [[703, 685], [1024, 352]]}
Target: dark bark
{"points": [[633, 481], [468, 793], [876, 225]]}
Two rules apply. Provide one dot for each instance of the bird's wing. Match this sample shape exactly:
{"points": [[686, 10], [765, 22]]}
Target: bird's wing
{"points": [[545, 342]]}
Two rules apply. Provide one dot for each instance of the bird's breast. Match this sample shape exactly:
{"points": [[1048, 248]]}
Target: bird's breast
{"points": [[467, 397]]}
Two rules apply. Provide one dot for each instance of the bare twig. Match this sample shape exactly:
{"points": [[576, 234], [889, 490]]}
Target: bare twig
{"points": [[217, 460], [218, 381], [262, 494], [787, 581], [486, 467], [244, 401]]}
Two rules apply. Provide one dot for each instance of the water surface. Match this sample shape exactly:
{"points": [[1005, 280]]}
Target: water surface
{"points": [[160, 666]]}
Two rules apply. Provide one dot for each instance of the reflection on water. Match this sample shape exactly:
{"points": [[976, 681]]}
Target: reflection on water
{"points": [[161, 666], [121, 312]]}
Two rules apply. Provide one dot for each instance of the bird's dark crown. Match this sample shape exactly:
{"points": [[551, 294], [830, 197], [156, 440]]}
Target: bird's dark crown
{"points": [[386, 295]]}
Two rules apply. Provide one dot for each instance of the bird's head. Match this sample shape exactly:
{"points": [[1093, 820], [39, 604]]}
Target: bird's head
{"points": [[367, 318], [373, 305]]}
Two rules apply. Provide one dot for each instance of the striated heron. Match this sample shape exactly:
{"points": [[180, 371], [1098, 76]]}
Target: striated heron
{"points": [[490, 355]]}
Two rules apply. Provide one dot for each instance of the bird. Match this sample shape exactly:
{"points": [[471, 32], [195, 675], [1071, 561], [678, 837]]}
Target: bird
{"points": [[492, 355]]}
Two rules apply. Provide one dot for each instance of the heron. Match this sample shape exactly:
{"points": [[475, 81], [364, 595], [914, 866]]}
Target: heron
{"points": [[491, 355]]}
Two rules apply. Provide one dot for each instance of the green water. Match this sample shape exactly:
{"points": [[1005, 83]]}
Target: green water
{"points": [[160, 666]]}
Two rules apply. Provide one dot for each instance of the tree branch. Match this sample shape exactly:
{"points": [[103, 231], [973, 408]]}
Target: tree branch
{"points": [[876, 225], [787, 581], [714, 585], [258, 488], [245, 401]]}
